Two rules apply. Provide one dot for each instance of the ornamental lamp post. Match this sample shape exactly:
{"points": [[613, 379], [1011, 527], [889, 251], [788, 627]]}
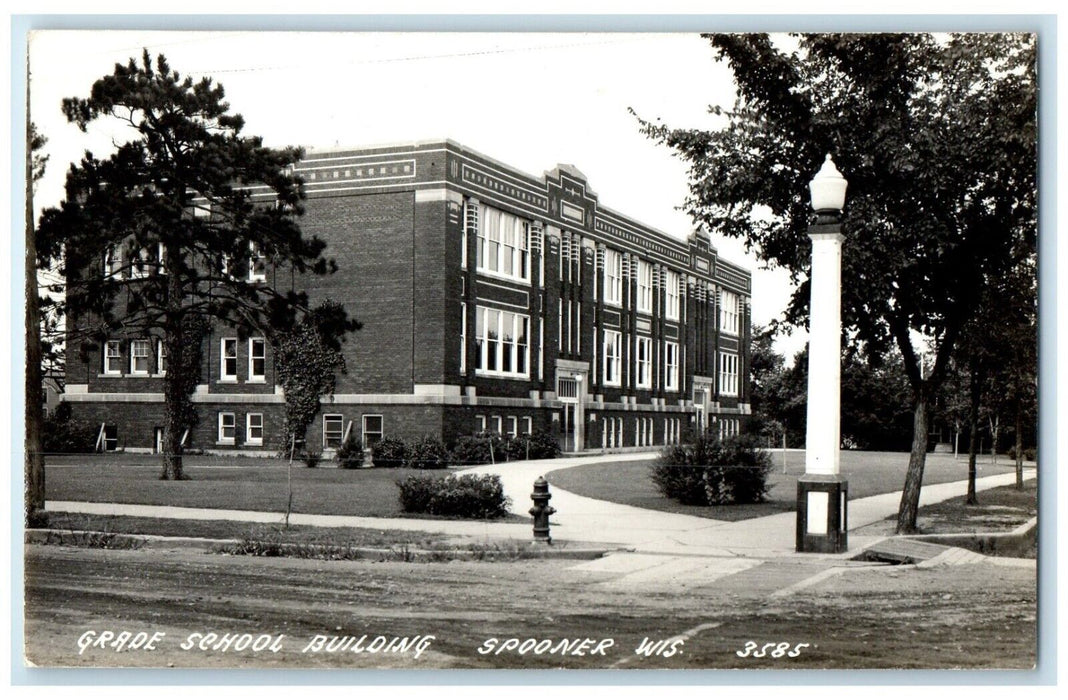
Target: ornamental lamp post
{"points": [[821, 491]]}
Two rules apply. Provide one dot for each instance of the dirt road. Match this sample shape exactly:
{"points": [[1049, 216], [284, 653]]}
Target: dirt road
{"points": [[463, 614]]}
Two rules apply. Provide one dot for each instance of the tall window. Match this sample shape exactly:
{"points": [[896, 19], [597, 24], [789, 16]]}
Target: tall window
{"points": [[161, 357], [671, 366], [463, 338], [254, 428], [728, 313], [257, 359], [503, 244], [645, 287], [643, 363], [671, 296], [333, 429], [227, 428], [228, 360], [113, 357], [372, 430], [139, 352], [257, 263], [612, 352], [112, 260], [501, 344], [613, 277], [728, 373]]}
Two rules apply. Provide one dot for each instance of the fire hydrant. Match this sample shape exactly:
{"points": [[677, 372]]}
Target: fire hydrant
{"points": [[541, 510]]}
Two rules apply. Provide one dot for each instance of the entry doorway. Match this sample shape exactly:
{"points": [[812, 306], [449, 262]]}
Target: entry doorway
{"points": [[571, 414]]}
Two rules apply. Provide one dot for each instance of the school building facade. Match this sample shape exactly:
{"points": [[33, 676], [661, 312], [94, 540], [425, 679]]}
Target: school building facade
{"points": [[491, 300]]}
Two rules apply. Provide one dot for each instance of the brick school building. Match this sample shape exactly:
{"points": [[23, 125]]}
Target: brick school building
{"points": [[491, 300]]}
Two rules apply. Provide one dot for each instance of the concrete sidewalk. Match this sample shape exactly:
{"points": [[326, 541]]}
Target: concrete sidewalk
{"points": [[579, 518]]}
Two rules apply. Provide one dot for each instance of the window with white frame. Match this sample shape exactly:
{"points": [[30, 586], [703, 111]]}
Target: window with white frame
{"points": [[113, 260], [728, 313], [528, 425], [161, 357], [643, 363], [463, 338], [671, 296], [497, 425], [503, 244], [257, 359], [501, 344], [645, 287], [113, 357], [728, 373], [560, 327], [613, 341], [671, 366], [333, 429], [227, 428], [480, 424], [228, 359], [257, 263], [254, 428], [139, 354], [613, 277], [513, 426], [372, 430]]}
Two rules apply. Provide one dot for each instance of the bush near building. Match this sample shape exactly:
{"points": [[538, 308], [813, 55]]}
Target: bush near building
{"points": [[465, 496], [427, 452], [710, 471], [350, 453], [61, 434], [472, 450], [389, 453]]}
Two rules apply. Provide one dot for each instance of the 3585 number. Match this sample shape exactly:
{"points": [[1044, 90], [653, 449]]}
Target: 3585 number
{"points": [[775, 650]]}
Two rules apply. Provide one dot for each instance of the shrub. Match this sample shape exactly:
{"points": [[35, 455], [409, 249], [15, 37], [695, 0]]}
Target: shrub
{"points": [[311, 459], [466, 496], [1029, 453], [475, 449], [60, 433], [538, 445], [389, 452], [713, 472], [350, 453], [428, 453]]}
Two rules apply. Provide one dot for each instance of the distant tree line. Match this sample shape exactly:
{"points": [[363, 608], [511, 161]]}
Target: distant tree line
{"points": [[877, 403]]}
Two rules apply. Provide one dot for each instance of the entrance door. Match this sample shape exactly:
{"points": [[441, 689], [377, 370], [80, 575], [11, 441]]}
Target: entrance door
{"points": [[567, 391]]}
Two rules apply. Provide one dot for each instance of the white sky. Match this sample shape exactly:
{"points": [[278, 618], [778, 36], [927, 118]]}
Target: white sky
{"points": [[529, 100]]}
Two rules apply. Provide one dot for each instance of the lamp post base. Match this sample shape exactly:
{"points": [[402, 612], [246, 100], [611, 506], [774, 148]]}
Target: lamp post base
{"points": [[822, 522]]}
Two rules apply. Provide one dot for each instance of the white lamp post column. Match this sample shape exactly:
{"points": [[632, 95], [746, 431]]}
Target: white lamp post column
{"points": [[821, 492]]}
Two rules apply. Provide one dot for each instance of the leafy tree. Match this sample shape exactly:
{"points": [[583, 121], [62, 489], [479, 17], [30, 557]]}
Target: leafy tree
{"points": [[179, 230], [307, 361], [937, 137]]}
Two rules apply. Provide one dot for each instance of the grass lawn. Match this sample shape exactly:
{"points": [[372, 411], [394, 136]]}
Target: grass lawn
{"points": [[245, 483], [869, 474], [233, 530]]}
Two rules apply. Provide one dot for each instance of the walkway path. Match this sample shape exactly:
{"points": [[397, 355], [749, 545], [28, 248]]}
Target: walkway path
{"points": [[579, 518]]}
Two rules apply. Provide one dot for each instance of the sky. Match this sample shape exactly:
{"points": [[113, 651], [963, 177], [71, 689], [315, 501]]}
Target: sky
{"points": [[529, 100]]}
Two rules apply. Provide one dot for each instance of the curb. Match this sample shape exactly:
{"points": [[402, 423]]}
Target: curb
{"points": [[493, 551]]}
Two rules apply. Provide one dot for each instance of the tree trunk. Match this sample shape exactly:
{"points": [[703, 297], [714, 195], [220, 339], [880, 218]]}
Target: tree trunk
{"points": [[35, 476], [1019, 444], [174, 384], [910, 495], [173, 432], [973, 436]]}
